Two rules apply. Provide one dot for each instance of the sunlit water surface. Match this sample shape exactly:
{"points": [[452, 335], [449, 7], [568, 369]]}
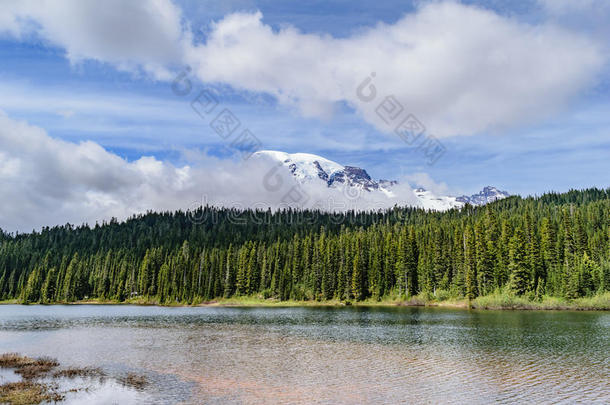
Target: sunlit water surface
{"points": [[322, 355]]}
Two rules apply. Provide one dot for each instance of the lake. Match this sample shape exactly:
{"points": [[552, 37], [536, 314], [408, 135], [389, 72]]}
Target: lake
{"points": [[327, 355]]}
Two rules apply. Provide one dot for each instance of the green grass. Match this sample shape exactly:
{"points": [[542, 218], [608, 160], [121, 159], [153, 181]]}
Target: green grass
{"points": [[503, 300], [599, 301], [498, 300]]}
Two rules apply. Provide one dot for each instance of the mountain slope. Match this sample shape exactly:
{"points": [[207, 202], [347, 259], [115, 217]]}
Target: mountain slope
{"points": [[306, 168]]}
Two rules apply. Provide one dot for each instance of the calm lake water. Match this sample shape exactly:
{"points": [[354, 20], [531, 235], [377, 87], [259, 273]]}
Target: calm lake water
{"points": [[350, 355]]}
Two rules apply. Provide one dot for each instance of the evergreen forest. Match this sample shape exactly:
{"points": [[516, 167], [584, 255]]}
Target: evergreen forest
{"points": [[552, 245]]}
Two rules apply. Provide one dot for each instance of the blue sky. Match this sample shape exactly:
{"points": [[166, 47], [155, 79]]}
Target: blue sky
{"points": [[132, 112]]}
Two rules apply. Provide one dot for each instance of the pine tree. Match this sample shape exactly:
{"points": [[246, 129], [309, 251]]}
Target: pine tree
{"points": [[440, 274], [358, 272], [34, 286], [185, 266], [163, 283], [536, 262], [550, 259], [568, 239], [145, 274], [457, 263], [484, 259], [470, 263], [401, 264], [503, 256], [252, 275], [587, 270], [242, 270], [518, 266], [68, 288], [390, 254], [411, 261], [49, 287], [229, 273]]}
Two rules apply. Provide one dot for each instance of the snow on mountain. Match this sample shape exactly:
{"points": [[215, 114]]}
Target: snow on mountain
{"points": [[306, 167], [430, 201], [441, 203], [487, 195]]}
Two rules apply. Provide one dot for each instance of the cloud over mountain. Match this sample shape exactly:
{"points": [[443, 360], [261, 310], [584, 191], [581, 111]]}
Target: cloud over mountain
{"points": [[47, 181]]}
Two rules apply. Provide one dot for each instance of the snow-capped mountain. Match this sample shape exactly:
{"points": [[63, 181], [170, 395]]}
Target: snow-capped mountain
{"points": [[306, 167], [487, 195], [440, 203]]}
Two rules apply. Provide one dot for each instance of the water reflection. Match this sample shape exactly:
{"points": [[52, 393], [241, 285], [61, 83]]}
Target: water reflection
{"points": [[8, 376], [79, 391], [327, 355]]}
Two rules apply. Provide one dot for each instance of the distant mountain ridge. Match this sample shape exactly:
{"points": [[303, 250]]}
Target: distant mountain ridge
{"points": [[487, 195], [307, 167]]}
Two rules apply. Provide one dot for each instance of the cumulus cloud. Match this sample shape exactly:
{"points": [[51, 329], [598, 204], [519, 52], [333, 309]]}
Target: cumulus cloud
{"points": [[47, 181], [459, 69], [132, 35]]}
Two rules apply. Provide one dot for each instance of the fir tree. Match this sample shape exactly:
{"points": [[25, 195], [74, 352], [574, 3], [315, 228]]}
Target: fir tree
{"points": [[470, 263], [518, 266]]}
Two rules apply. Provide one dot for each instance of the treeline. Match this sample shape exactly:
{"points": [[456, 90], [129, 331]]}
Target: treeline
{"points": [[556, 244]]}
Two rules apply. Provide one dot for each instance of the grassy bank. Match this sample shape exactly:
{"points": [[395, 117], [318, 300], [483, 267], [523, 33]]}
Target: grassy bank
{"points": [[496, 301], [506, 301]]}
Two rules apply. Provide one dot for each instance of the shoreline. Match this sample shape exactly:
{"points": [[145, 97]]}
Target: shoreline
{"points": [[490, 302]]}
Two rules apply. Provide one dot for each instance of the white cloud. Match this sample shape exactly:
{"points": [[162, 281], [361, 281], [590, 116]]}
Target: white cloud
{"points": [[424, 180], [46, 181], [129, 34], [459, 69]]}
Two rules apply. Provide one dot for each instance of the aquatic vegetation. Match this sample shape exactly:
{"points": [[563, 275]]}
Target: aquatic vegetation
{"points": [[42, 380], [85, 372], [27, 367], [134, 380], [28, 392]]}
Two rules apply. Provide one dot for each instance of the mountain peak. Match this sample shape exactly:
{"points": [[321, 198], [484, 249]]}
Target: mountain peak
{"points": [[307, 166], [487, 195], [304, 166]]}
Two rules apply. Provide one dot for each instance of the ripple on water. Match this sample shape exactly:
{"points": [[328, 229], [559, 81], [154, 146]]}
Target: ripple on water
{"points": [[328, 355]]}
